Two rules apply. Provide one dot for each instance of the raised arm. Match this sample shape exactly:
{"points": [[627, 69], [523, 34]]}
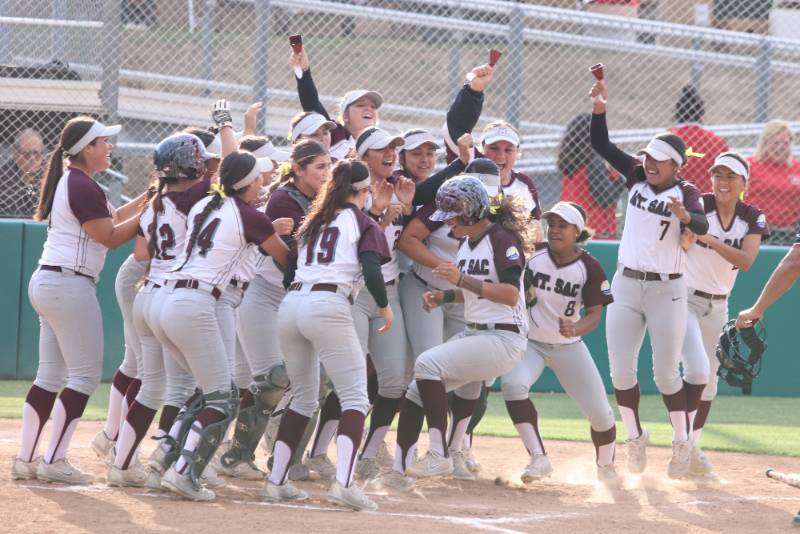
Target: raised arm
{"points": [[306, 89], [620, 160]]}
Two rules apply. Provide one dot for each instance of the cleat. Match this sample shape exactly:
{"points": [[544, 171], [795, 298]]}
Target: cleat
{"points": [[678, 466], [134, 476], [157, 459], [210, 478], [384, 457], [242, 471], [286, 492], [637, 452], [431, 465], [182, 485], [460, 469], [396, 481], [368, 468], [102, 445], [21, 470], [301, 472], [322, 465], [472, 463], [538, 468], [606, 473], [351, 497], [62, 471], [153, 481], [699, 464]]}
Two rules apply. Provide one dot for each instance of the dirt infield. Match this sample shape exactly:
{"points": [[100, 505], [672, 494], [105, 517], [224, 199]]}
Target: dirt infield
{"points": [[741, 499]]}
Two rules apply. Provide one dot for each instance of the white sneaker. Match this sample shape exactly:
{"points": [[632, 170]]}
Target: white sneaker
{"points": [[322, 465], [431, 465], [678, 466], [351, 497], [384, 457], [153, 481], [156, 459], [472, 463], [242, 470], [699, 464], [62, 471], [606, 473], [182, 485], [21, 470], [538, 468], [134, 476], [287, 492], [368, 468], [396, 481], [301, 472], [210, 478], [460, 469], [101, 445], [637, 452]]}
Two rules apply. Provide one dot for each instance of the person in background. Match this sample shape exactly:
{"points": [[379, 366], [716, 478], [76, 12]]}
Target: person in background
{"points": [[587, 180], [19, 176], [689, 112]]}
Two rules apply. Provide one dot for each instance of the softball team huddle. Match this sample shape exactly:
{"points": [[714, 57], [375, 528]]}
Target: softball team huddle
{"points": [[344, 279]]}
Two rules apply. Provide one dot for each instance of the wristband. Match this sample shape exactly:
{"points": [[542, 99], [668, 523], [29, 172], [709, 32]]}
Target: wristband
{"points": [[448, 296]]}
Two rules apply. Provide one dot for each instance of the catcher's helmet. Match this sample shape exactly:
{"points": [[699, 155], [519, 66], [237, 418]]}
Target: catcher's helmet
{"points": [[181, 156], [739, 353], [464, 197]]}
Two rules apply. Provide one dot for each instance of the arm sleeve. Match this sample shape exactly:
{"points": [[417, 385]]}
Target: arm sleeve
{"points": [[698, 223], [309, 97], [425, 192], [464, 113], [626, 164], [288, 273], [373, 277], [693, 202], [511, 275]]}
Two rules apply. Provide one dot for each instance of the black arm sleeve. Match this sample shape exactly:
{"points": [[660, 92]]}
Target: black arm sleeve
{"points": [[699, 223], [373, 277], [464, 112], [288, 273], [425, 192], [309, 97], [510, 276], [603, 191], [624, 163]]}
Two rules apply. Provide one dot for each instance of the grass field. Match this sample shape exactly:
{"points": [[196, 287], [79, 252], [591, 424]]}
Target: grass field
{"points": [[759, 425]]}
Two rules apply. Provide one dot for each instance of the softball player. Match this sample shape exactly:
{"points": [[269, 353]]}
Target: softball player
{"points": [[81, 228], [649, 289], [224, 227], [735, 232], [488, 278], [311, 125], [565, 279], [338, 245]]}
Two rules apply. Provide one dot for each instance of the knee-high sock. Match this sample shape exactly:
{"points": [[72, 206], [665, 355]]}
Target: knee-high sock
{"points": [[379, 422], [175, 427], [526, 420], [168, 415], [68, 411], [372, 381], [328, 423], [434, 403], [206, 417], [35, 412], [130, 396], [604, 445], [693, 393], [289, 435], [131, 433], [462, 411], [628, 403], [477, 415], [676, 406], [703, 409], [408, 428], [351, 428], [119, 386]]}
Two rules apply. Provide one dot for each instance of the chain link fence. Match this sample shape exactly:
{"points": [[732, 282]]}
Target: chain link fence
{"points": [[156, 66]]}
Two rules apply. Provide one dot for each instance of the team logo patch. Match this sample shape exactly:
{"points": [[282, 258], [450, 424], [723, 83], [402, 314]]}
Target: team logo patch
{"points": [[605, 287], [512, 253], [761, 222]]}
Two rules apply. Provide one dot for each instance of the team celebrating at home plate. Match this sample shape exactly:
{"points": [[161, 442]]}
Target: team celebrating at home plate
{"points": [[313, 296]]}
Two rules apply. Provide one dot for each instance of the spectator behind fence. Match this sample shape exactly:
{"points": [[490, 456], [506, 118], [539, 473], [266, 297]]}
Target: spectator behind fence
{"points": [[775, 180], [689, 111], [20, 176], [587, 180]]}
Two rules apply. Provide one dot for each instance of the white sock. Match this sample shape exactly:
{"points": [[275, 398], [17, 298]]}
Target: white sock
{"points": [[529, 438], [116, 399], [281, 456], [325, 436], [345, 457], [678, 420], [191, 444], [696, 436], [371, 450], [459, 433], [605, 454], [29, 442], [629, 419], [125, 440], [436, 440], [61, 436]]}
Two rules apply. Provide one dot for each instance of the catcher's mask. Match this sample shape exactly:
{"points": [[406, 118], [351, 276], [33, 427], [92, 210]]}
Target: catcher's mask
{"points": [[739, 353]]}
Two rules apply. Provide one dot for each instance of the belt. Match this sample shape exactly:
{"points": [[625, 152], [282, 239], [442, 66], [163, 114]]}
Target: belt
{"points": [[240, 283], [149, 283], [709, 296], [195, 284], [648, 277], [330, 288], [57, 269], [495, 326]]}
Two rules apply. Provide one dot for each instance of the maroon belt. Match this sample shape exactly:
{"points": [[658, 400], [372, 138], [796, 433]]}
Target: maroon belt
{"points": [[239, 283], [194, 284], [331, 288], [57, 269], [709, 296], [149, 283]]}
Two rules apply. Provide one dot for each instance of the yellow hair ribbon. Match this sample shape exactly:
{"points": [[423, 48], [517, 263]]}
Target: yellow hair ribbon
{"points": [[284, 168], [217, 189], [692, 154], [493, 210], [741, 196]]}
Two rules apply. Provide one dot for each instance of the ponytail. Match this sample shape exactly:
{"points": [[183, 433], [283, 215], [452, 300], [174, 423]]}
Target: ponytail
{"points": [[513, 215], [199, 221], [587, 233], [157, 205]]}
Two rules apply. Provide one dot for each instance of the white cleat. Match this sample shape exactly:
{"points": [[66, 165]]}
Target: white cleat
{"points": [[431, 465], [699, 464], [135, 476], [395, 481], [211, 479], [460, 469], [102, 445], [538, 468], [351, 497], [286, 492], [182, 485], [62, 471], [384, 457], [678, 466], [637, 452], [242, 471], [153, 481], [156, 460], [322, 465], [21, 470], [472, 463], [606, 473], [368, 468]]}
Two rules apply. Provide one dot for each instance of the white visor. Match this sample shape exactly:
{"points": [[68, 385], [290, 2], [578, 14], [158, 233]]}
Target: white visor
{"points": [[662, 151], [251, 176], [417, 138], [352, 96], [732, 163], [215, 146], [268, 150], [265, 164], [500, 133], [310, 124], [569, 213], [363, 184], [98, 129], [377, 139], [490, 181]]}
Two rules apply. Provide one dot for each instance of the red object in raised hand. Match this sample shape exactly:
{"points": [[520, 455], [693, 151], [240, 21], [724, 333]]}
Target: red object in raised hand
{"points": [[296, 41], [597, 71], [494, 56]]}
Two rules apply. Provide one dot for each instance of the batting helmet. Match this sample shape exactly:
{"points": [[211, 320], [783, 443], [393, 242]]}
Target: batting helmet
{"points": [[487, 172], [181, 156], [739, 353], [464, 197]]}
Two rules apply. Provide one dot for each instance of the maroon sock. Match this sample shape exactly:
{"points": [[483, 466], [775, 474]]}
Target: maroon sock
{"points": [[409, 425], [434, 403], [331, 411], [42, 402], [351, 426], [693, 393], [629, 398], [121, 382], [245, 399], [168, 415], [74, 404], [290, 433], [603, 438], [702, 414], [461, 411], [139, 417], [372, 381], [521, 412], [382, 415], [132, 391]]}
